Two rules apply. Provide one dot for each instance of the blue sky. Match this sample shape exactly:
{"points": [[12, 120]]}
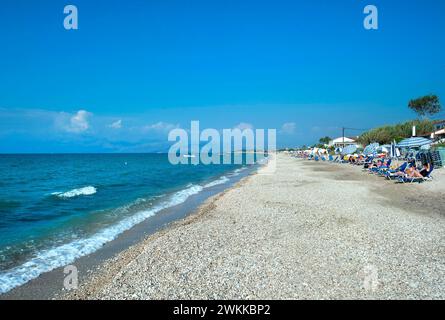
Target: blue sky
{"points": [[136, 69]]}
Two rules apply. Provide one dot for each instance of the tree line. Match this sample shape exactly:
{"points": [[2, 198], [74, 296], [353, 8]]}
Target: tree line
{"points": [[424, 107]]}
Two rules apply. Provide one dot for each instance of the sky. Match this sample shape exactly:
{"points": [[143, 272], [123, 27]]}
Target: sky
{"points": [[136, 69]]}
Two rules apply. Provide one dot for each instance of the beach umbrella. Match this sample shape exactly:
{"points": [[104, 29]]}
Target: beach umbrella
{"points": [[371, 148], [384, 149], [349, 149], [393, 150], [413, 142]]}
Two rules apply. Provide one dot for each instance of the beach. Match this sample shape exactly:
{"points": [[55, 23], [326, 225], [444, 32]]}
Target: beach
{"points": [[308, 231]]}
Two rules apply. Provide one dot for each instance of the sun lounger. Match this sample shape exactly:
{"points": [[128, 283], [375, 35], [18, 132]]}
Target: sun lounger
{"points": [[391, 173], [406, 179], [382, 167]]}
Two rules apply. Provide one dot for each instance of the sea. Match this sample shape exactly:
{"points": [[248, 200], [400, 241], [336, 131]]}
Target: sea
{"points": [[55, 208]]}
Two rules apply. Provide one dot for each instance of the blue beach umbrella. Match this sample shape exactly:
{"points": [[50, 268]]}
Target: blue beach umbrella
{"points": [[393, 153], [414, 142], [349, 149], [371, 148]]}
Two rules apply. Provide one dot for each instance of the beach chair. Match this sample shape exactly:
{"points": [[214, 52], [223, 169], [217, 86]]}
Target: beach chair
{"points": [[384, 166], [382, 170], [360, 161], [391, 173], [406, 179], [345, 159], [367, 162]]}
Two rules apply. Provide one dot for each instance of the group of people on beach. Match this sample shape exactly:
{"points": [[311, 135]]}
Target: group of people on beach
{"points": [[408, 170], [381, 164]]}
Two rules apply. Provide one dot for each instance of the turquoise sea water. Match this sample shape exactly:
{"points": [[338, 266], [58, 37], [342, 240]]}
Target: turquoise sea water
{"points": [[56, 208]]}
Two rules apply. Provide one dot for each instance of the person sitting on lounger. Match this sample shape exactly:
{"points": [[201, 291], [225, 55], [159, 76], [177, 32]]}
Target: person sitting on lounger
{"points": [[375, 164], [418, 175], [421, 173], [409, 169], [380, 164]]}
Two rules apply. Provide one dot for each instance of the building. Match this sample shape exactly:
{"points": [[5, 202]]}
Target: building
{"points": [[438, 130], [342, 142], [438, 125]]}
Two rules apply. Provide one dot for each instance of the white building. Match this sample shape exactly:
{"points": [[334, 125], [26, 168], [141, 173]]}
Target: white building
{"points": [[343, 142]]}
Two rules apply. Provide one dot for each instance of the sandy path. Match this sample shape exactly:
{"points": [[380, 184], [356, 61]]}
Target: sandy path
{"points": [[311, 230]]}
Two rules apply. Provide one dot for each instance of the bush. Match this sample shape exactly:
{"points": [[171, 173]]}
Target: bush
{"points": [[398, 132], [439, 145]]}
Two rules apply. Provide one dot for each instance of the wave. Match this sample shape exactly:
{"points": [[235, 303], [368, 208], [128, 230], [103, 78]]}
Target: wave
{"points": [[85, 191], [236, 172], [50, 259], [221, 180]]}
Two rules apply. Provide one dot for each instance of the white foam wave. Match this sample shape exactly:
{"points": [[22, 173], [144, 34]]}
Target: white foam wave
{"points": [[236, 172], [62, 255], [85, 191], [216, 182]]}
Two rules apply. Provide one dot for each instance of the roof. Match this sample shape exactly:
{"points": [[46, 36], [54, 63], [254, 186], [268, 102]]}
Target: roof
{"points": [[340, 140]]}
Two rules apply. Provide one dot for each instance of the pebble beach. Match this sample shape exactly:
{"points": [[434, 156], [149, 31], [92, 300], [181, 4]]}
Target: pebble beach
{"points": [[307, 231]]}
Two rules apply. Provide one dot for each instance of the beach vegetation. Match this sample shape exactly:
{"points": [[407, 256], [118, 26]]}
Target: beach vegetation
{"points": [[325, 140], [439, 145], [425, 106], [389, 133]]}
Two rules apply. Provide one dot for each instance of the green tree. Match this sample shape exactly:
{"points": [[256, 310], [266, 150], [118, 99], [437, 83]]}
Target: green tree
{"points": [[427, 105], [324, 140], [387, 134]]}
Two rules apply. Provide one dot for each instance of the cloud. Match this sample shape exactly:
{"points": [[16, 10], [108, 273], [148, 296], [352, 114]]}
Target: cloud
{"points": [[160, 127], [77, 123], [243, 126], [116, 125], [288, 127]]}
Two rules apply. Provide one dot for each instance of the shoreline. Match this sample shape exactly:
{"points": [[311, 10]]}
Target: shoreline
{"points": [[310, 231], [117, 263], [49, 285]]}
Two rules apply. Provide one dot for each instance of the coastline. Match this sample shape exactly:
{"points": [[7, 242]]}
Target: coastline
{"points": [[310, 231], [49, 285]]}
